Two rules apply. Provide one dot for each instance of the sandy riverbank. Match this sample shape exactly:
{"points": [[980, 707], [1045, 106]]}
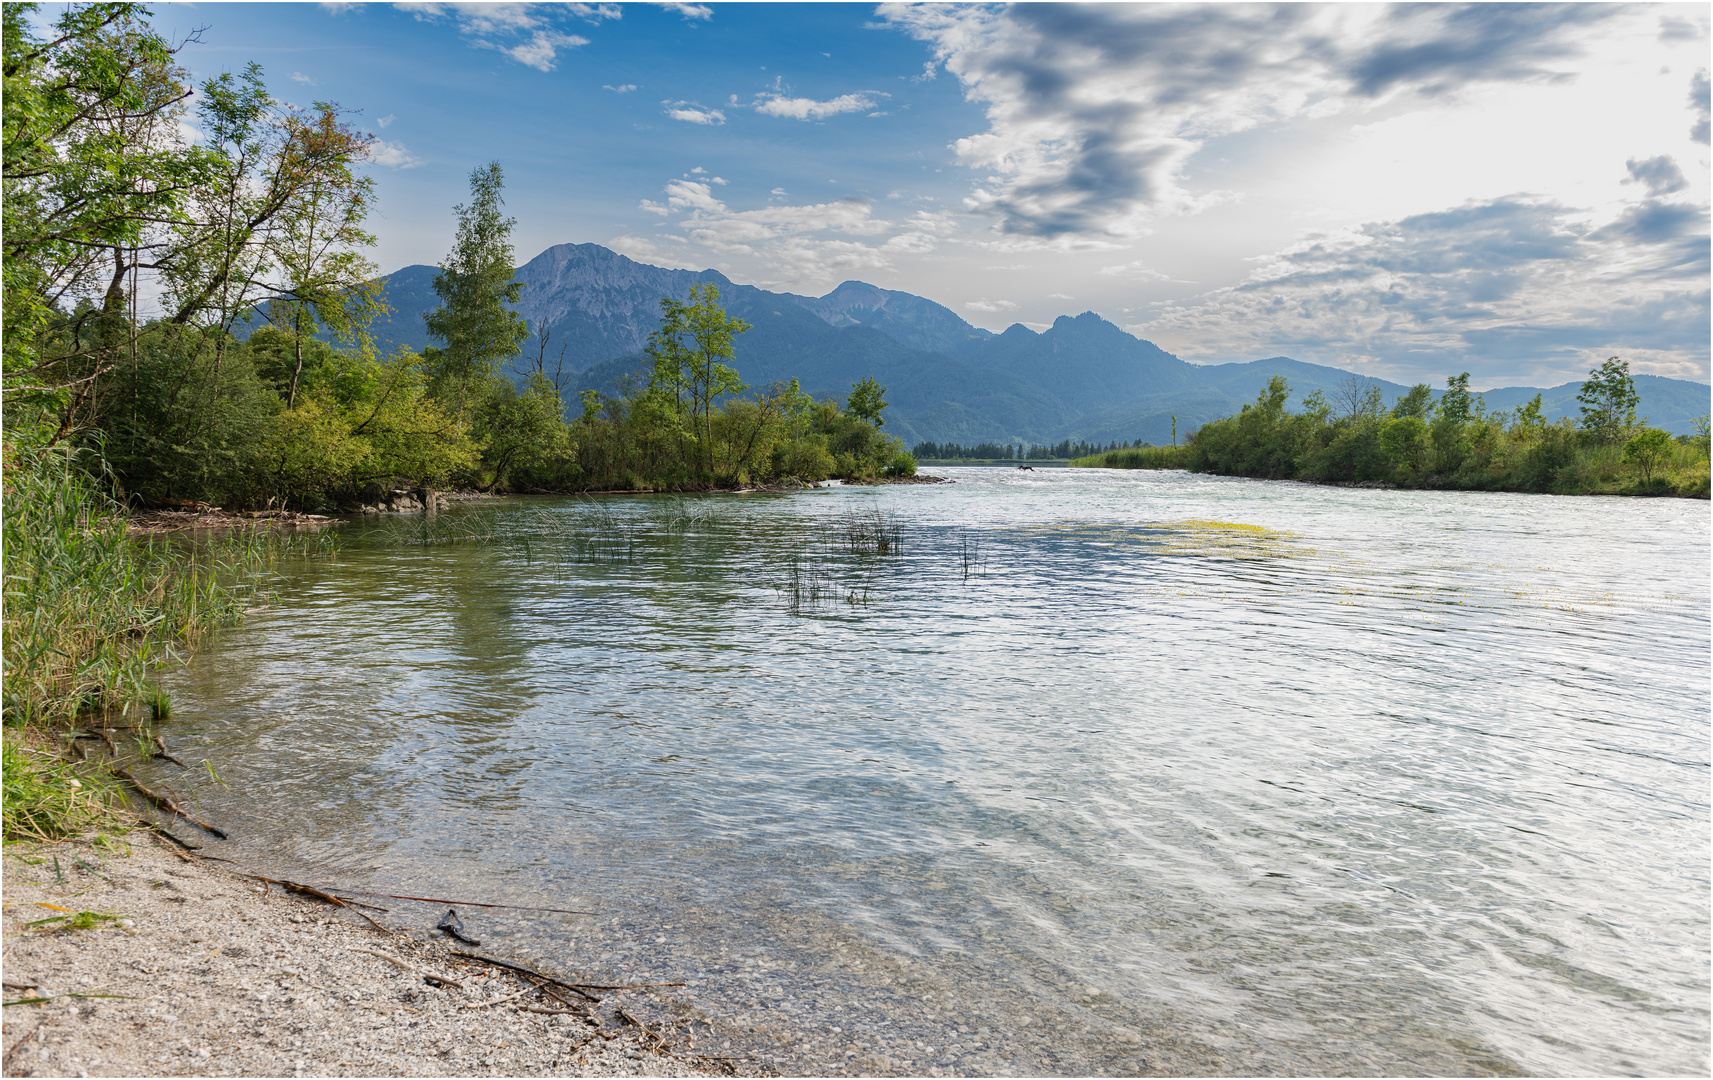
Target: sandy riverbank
{"points": [[198, 972]]}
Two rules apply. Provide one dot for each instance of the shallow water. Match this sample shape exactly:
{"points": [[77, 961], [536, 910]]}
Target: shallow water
{"points": [[1101, 772]]}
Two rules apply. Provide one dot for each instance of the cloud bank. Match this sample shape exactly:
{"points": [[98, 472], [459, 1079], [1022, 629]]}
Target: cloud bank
{"points": [[1518, 283], [1094, 110]]}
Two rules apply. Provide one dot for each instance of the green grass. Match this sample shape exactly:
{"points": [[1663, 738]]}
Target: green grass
{"points": [[1143, 457], [90, 610], [46, 798]]}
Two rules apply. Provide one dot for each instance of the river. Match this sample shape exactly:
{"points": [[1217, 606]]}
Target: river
{"points": [[1093, 772]]}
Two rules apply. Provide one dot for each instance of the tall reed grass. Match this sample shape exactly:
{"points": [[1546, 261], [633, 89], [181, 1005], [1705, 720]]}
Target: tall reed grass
{"points": [[89, 611]]}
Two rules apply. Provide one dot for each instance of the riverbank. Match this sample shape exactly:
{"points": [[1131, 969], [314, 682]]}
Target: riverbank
{"points": [[185, 967]]}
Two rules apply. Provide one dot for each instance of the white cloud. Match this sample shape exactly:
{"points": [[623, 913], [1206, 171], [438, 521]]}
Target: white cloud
{"points": [[775, 104], [692, 113], [691, 12], [392, 155], [799, 246], [1094, 111], [1518, 287], [990, 305], [692, 195], [542, 49], [1138, 269], [595, 12], [497, 25], [300, 77], [621, 89], [385, 121], [1060, 296]]}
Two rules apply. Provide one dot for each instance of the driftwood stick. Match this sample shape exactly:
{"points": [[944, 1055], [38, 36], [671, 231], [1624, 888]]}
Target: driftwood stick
{"points": [[166, 803], [467, 903], [527, 971], [162, 743], [310, 890], [412, 968]]}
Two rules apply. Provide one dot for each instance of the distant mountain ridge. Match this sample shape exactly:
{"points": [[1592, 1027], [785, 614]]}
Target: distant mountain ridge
{"points": [[947, 380]]}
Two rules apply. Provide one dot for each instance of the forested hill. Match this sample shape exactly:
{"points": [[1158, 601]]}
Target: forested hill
{"points": [[947, 381]]}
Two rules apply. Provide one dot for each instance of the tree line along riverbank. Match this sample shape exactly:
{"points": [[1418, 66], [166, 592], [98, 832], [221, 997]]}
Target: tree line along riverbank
{"points": [[1451, 442]]}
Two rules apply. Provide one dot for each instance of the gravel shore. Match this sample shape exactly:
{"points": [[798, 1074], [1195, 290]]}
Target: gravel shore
{"points": [[188, 968]]}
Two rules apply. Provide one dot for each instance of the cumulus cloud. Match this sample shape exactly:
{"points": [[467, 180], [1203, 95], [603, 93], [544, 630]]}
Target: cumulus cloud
{"points": [[1660, 174], [1518, 286], [691, 12], [392, 155], [797, 246], [1094, 110], [796, 108], [501, 26], [985, 304], [385, 121], [692, 195], [300, 77], [542, 49], [595, 12], [691, 113], [624, 88]]}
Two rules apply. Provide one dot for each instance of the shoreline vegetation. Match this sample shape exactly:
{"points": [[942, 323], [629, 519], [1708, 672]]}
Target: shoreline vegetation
{"points": [[1448, 444]]}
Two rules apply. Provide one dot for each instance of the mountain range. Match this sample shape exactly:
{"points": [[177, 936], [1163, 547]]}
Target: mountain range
{"points": [[946, 380]]}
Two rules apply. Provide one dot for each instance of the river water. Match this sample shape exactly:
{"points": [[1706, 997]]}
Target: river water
{"points": [[1094, 772]]}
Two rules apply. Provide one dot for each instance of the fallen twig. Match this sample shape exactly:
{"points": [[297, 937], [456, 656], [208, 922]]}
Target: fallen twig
{"points": [[468, 903], [502, 1001], [6, 1065], [551, 1012], [162, 743], [413, 969], [166, 803], [310, 890], [527, 971], [659, 1040]]}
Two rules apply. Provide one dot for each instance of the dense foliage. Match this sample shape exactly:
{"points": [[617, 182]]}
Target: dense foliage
{"points": [[1450, 443]]}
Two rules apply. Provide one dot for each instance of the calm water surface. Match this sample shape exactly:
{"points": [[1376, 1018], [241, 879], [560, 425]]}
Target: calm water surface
{"points": [[1102, 772]]}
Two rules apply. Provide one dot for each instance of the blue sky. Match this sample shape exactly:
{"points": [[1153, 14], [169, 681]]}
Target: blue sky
{"points": [[1406, 191]]}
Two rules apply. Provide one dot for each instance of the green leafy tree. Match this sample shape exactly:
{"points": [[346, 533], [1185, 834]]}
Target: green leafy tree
{"points": [[1527, 423], [1646, 451], [522, 430], [1417, 403], [690, 372], [867, 401], [476, 323], [1456, 405], [1609, 401], [94, 169]]}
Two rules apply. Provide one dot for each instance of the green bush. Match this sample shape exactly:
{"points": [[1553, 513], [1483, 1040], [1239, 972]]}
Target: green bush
{"points": [[903, 463]]}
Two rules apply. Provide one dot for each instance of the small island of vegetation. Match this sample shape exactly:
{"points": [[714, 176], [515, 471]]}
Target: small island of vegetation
{"points": [[1448, 442]]}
